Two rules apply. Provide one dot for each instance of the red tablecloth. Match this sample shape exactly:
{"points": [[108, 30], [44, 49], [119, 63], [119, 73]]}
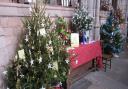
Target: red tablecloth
{"points": [[86, 53]]}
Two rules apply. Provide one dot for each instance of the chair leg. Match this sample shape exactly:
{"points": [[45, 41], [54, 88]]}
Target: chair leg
{"points": [[94, 64], [110, 63], [106, 65]]}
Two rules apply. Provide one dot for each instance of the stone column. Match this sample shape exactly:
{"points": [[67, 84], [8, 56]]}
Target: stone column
{"points": [[97, 22], [90, 8]]}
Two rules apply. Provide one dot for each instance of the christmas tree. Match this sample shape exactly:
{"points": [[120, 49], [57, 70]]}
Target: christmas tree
{"points": [[81, 20], [110, 33], [41, 59]]}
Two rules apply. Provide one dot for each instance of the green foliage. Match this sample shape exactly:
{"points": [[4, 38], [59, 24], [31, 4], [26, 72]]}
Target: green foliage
{"points": [[40, 58], [81, 20], [111, 35], [62, 29]]}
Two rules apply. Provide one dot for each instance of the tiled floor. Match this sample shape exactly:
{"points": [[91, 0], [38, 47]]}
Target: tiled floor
{"points": [[116, 78]]}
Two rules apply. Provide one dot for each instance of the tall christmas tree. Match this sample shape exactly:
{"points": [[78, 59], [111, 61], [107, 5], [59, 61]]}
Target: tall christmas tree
{"points": [[110, 33], [41, 59]]}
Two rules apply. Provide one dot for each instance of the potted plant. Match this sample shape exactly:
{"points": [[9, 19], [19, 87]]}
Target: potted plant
{"points": [[81, 23]]}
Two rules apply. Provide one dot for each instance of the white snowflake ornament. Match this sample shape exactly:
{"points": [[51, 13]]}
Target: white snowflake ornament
{"points": [[67, 61], [40, 60], [49, 65], [60, 83], [21, 76], [42, 87], [32, 62], [26, 39], [5, 72], [50, 42]]}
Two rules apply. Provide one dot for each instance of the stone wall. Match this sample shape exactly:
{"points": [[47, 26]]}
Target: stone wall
{"points": [[5, 0], [11, 15]]}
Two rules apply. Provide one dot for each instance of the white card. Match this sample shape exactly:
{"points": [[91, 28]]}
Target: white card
{"points": [[74, 40]]}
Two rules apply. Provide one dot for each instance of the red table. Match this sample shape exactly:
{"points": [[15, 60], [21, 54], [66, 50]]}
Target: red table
{"points": [[85, 53]]}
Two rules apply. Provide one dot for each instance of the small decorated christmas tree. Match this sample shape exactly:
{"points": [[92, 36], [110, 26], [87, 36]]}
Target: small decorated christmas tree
{"points": [[110, 33], [81, 21], [41, 59]]}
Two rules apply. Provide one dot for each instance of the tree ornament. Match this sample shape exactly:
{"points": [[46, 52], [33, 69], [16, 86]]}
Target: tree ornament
{"points": [[26, 39], [67, 61], [21, 54], [60, 83], [5, 72], [50, 66], [50, 42], [22, 76], [40, 60], [43, 25], [55, 76], [43, 88], [55, 65], [42, 32], [32, 61]]}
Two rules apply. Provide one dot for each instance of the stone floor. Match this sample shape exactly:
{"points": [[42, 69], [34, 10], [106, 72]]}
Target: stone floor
{"points": [[116, 78]]}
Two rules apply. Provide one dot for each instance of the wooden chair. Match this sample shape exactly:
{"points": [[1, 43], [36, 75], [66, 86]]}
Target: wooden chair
{"points": [[107, 58]]}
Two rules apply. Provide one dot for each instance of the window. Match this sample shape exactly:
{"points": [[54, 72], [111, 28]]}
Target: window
{"points": [[60, 2], [65, 3]]}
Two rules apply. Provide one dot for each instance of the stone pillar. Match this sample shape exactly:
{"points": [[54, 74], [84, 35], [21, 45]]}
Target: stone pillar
{"points": [[97, 22], [90, 8]]}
